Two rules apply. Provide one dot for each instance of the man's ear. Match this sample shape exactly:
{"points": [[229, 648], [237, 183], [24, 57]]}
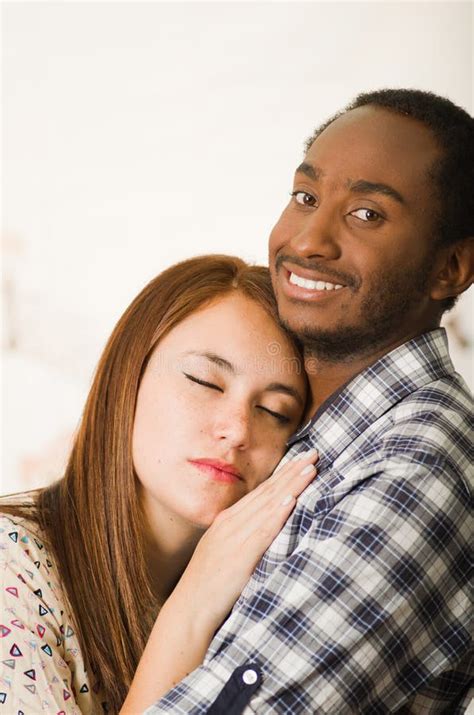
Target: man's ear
{"points": [[455, 270]]}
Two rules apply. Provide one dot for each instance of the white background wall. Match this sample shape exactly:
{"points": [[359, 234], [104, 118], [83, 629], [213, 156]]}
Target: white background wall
{"points": [[139, 133]]}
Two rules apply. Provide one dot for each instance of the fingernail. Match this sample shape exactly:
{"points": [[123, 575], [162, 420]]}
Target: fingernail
{"points": [[287, 500], [308, 453], [309, 468]]}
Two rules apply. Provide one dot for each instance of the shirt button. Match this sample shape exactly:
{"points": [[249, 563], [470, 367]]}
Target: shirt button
{"points": [[249, 677]]}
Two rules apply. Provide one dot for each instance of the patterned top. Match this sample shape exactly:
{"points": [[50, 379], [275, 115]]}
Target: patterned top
{"points": [[42, 667], [361, 603]]}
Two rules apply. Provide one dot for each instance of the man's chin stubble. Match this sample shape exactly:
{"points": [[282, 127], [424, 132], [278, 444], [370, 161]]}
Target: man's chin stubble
{"points": [[345, 345]]}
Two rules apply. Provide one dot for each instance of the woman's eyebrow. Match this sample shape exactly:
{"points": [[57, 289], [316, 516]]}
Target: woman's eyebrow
{"points": [[216, 359], [285, 389]]}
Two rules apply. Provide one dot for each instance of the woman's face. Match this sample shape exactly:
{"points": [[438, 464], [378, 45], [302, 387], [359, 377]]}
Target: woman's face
{"points": [[220, 396]]}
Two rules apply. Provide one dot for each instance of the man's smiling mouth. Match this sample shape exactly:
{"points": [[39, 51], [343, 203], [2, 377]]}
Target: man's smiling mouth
{"points": [[297, 280]]}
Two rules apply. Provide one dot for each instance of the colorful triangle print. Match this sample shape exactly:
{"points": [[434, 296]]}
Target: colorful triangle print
{"points": [[66, 695], [18, 624], [31, 688], [38, 544], [38, 593], [3, 697], [42, 611], [10, 663], [13, 536], [40, 630], [15, 651], [31, 674], [47, 649], [4, 631], [12, 590], [84, 689]]}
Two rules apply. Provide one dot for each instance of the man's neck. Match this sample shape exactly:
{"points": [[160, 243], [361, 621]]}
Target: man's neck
{"points": [[326, 377]]}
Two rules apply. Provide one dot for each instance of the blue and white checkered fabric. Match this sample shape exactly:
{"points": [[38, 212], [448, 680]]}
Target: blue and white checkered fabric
{"points": [[361, 604]]}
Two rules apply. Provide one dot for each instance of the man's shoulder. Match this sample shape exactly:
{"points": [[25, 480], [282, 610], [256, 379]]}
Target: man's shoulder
{"points": [[448, 392], [428, 431], [442, 407], [436, 418]]}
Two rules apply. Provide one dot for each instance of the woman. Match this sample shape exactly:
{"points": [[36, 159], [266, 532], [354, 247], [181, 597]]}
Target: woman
{"points": [[194, 398]]}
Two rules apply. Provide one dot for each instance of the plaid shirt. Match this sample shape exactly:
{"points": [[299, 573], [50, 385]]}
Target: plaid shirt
{"points": [[361, 603]]}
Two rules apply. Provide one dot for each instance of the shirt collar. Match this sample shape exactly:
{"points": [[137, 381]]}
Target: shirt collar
{"points": [[365, 398]]}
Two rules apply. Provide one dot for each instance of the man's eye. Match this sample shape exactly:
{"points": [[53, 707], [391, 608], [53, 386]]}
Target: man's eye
{"points": [[303, 198], [281, 419], [203, 382], [366, 215]]}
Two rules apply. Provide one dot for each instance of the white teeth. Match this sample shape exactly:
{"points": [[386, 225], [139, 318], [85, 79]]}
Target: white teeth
{"points": [[313, 285]]}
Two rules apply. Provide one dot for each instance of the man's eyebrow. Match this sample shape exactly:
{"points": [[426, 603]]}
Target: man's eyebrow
{"points": [[309, 170], [285, 389], [370, 187], [361, 186]]}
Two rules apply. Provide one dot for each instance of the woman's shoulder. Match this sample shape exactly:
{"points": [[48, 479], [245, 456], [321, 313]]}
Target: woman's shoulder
{"points": [[22, 537], [38, 629], [28, 572]]}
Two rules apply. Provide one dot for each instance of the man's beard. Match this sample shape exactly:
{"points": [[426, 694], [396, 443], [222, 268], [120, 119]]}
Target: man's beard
{"points": [[382, 312]]}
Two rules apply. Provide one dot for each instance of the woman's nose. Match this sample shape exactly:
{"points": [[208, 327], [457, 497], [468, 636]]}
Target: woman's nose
{"points": [[233, 428]]}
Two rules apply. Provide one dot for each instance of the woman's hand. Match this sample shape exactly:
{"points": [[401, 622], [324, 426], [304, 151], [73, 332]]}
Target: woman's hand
{"points": [[229, 551], [213, 580]]}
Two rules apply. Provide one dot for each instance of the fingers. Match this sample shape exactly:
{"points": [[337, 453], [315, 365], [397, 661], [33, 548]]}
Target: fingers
{"points": [[291, 479], [260, 524], [307, 457]]}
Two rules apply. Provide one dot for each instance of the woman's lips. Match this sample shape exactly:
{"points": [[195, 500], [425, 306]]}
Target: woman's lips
{"points": [[217, 470]]}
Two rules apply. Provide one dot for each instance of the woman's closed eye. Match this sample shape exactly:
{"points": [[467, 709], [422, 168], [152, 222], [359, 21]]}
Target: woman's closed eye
{"points": [[281, 419], [278, 416], [204, 383]]}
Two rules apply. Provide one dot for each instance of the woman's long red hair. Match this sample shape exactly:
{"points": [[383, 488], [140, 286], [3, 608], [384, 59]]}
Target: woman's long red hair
{"points": [[92, 517]]}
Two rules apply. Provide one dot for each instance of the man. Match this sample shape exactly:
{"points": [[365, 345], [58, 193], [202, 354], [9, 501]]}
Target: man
{"points": [[361, 604]]}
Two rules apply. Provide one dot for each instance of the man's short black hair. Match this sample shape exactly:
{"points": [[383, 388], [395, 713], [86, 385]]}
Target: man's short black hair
{"points": [[453, 174]]}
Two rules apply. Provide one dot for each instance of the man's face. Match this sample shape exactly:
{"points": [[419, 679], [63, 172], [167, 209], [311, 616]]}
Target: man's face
{"points": [[352, 254]]}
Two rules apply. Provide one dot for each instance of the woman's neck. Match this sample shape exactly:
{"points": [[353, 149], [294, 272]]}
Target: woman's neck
{"points": [[169, 543]]}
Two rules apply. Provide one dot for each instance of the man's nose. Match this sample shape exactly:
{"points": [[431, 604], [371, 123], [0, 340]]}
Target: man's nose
{"points": [[317, 235], [233, 427]]}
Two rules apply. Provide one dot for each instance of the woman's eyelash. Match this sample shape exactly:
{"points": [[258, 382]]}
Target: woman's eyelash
{"points": [[283, 419], [203, 382]]}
